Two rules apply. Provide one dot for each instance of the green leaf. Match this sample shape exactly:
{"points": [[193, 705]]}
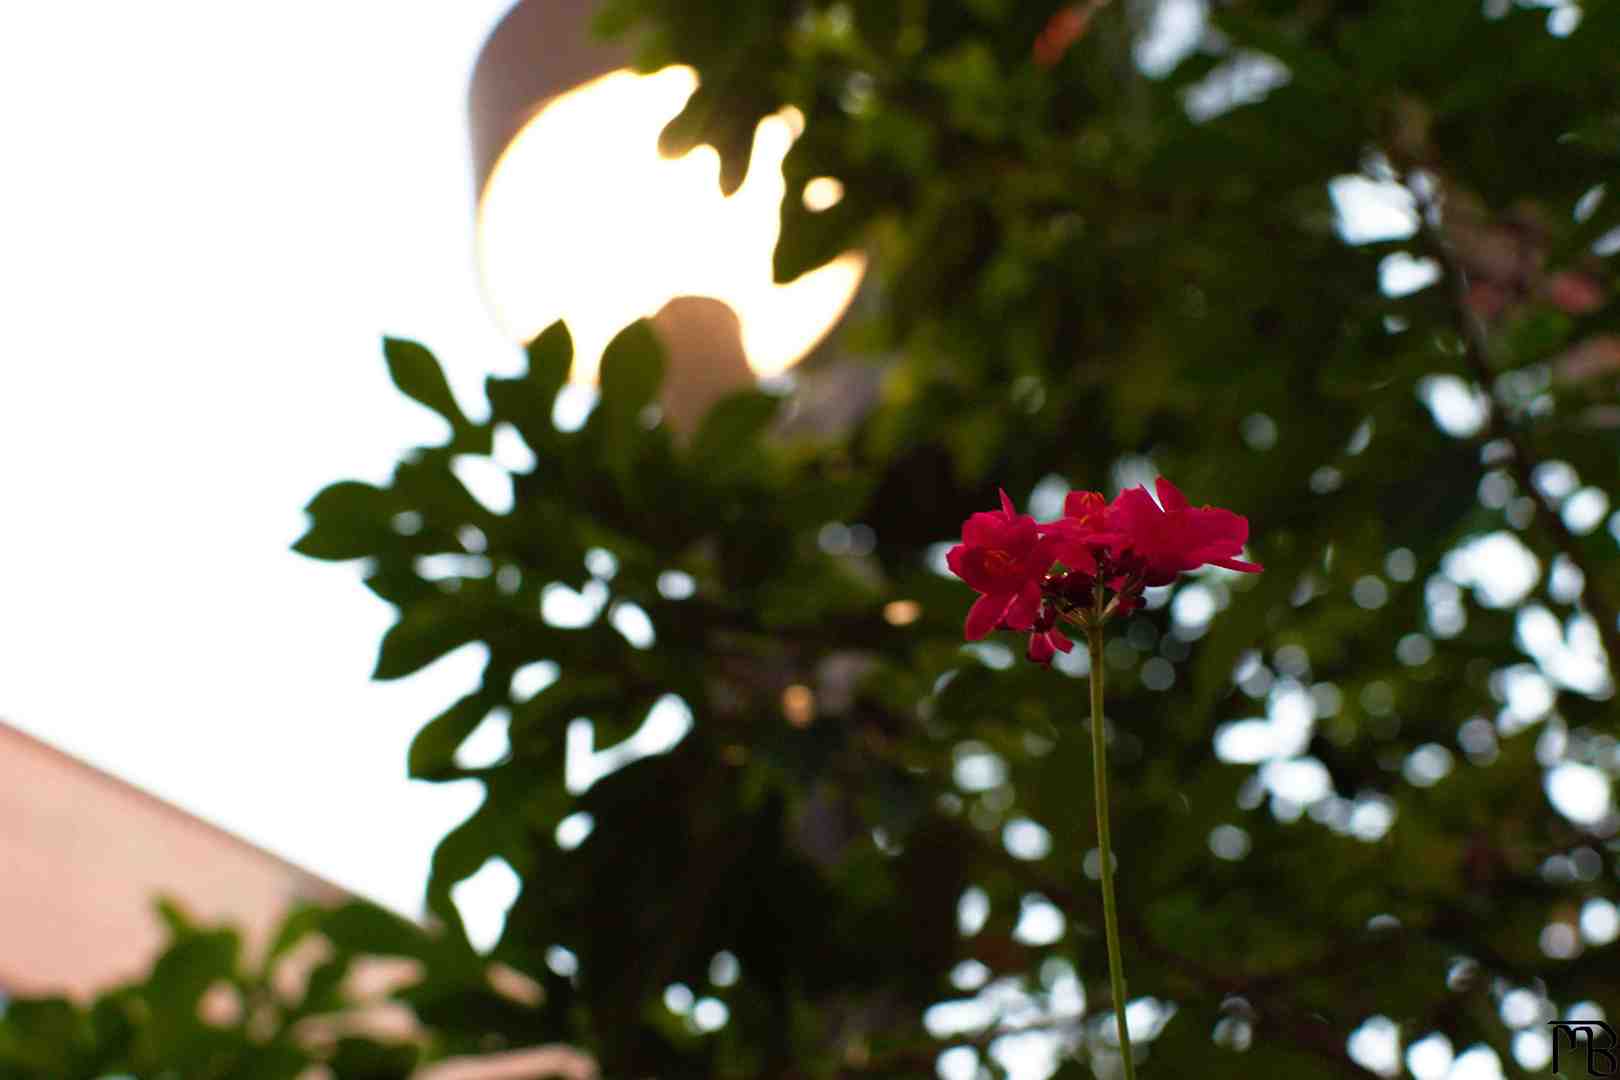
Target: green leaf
{"points": [[361, 928], [363, 1059], [426, 482], [364, 928], [175, 919], [323, 990], [811, 240], [466, 848], [417, 374], [1307, 66], [271, 1063], [433, 751], [632, 369], [303, 920], [349, 520], [462, 852], [424, 633], [703, 121], [39, 1035], [182, 975], [527, 402], [727, 436]]}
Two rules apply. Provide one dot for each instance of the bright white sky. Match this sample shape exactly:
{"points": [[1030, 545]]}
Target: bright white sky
{"points": [[210, 215], [211, 218]]}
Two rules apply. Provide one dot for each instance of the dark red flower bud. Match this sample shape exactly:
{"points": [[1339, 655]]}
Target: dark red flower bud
{"points": [[1044, 646], [1045, 618]]}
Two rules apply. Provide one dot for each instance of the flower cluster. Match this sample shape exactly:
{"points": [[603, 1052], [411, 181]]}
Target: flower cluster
{"points": [[1030, 575]]}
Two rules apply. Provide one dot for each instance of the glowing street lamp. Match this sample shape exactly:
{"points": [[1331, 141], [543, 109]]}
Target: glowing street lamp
{"points": [[580, 217]]}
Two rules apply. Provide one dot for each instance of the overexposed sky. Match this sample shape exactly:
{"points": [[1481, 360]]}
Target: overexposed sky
{"points": [[209, 215]]}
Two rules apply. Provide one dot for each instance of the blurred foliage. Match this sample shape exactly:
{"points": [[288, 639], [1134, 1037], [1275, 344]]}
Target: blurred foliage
{"points": [[1120, 260], [209, 1012]]}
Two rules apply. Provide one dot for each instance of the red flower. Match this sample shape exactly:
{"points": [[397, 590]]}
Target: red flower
{"points": [[1178, 537], [1045, 639], [1102, 548], [1082, 532], [1003, 556], [1087, 509]]}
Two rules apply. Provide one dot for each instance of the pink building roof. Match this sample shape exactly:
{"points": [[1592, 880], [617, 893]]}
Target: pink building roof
{"points": [[84, 855]]}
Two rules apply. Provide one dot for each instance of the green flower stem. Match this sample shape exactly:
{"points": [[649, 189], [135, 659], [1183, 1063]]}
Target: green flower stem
{"points": [[1099, 772]]}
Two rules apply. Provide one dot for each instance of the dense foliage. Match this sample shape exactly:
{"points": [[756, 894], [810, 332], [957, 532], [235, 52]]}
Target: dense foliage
{"points": [[1364, 796]]}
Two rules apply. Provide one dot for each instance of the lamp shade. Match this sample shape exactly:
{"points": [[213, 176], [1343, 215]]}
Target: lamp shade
{"points": [[542, 48], [581, 219]]}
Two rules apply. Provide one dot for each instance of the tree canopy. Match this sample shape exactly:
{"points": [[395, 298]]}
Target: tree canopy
{"points": [[1345, 267]]}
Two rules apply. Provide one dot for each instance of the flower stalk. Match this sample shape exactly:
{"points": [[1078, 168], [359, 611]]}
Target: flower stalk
{"points": [[1099, 774]]}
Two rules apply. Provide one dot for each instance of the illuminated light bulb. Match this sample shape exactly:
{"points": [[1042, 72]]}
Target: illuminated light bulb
{"points": [[583, 220]]}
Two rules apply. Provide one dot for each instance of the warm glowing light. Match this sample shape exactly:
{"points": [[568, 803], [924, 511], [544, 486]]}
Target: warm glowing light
{"points": [[799, 705], [902, 612], [823, 193], [583, 220]]}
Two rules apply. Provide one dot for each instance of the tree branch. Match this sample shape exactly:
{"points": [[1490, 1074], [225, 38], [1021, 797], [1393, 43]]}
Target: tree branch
{"points": [[1476, 352]]}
